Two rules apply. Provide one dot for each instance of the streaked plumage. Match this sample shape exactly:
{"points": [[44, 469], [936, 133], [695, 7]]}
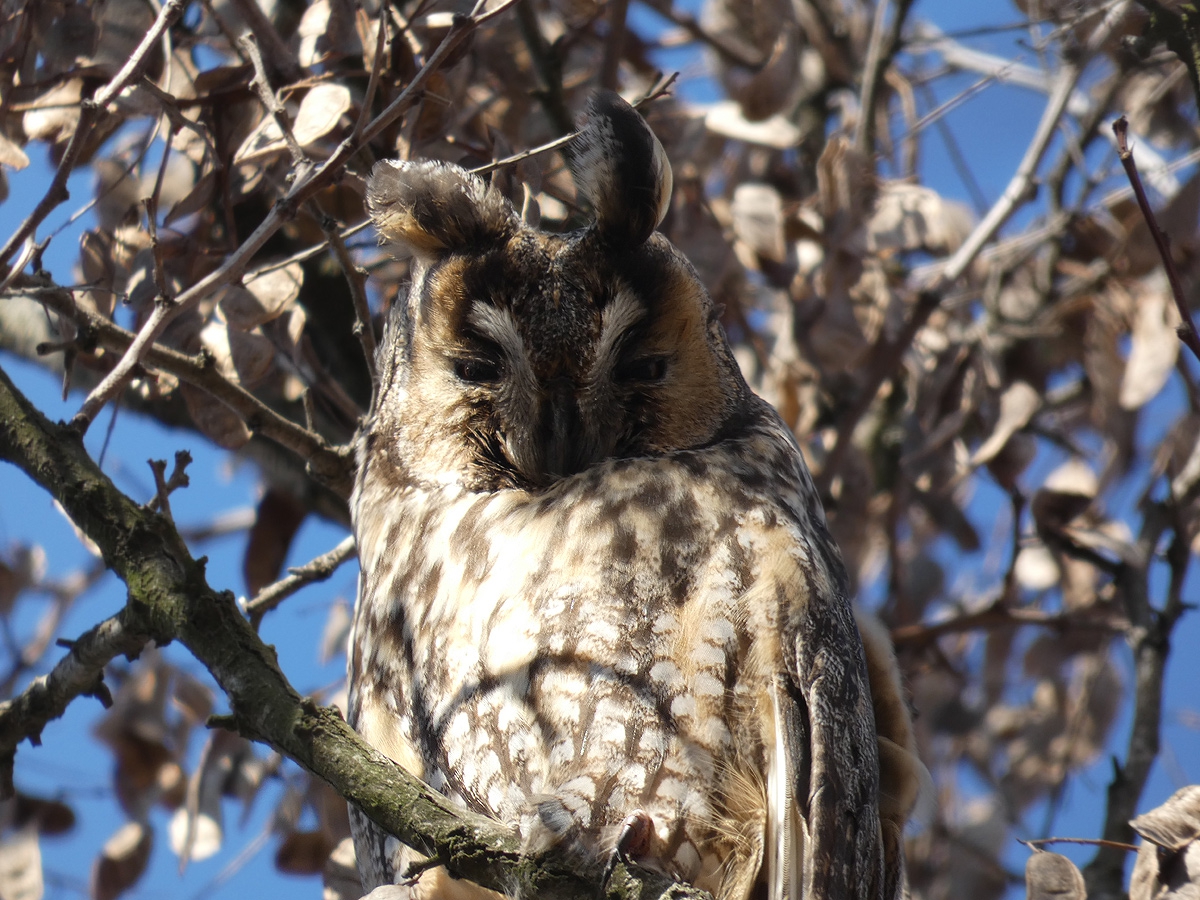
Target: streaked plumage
{"points": [[596, 577]]}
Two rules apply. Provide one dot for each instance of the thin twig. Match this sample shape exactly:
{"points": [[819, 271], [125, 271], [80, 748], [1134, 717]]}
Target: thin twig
{"points": [[526, 154], [261, 85], [731, 51], [1187, 328], [884, 38], [356, 278], [264, 33], [364, 113], [614, 46], [999, 615], [89, 113], [1020, 188], [318, 569], [163, 486], [1095, 842]]}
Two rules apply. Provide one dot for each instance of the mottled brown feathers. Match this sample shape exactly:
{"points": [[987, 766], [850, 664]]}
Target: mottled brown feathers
{"points": [[597, 586]]}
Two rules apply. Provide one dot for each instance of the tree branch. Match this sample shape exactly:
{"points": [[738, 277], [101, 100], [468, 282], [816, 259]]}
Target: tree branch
{"points": [[1187, 328], [330, 465], [169, 599], [315, 570], [79, 673]]}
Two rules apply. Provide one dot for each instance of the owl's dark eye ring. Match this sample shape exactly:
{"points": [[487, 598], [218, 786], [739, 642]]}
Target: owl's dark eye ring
{"points": [[644, 368], [476, 371]]}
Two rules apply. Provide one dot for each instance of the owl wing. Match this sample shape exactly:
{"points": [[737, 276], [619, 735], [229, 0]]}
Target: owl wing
{"points": [[826, 808]]}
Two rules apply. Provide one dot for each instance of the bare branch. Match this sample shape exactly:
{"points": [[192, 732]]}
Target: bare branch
{"points": [[316, 570], [79, 673], [263, 32], [330, 465], [356, 278], [1187, 328]]}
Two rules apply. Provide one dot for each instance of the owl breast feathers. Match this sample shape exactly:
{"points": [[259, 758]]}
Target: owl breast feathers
{"points": [[599, 600]]}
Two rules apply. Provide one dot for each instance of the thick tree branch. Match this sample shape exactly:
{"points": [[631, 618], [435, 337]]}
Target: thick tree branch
{"points": [[169, 599], [79, 673]]}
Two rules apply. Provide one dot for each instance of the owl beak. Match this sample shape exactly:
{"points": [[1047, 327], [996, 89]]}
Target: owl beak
{"points": [[568, 449], [563, 428]]}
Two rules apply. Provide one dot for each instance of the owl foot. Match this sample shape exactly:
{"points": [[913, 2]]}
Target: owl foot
{"points": [[637, 830]]}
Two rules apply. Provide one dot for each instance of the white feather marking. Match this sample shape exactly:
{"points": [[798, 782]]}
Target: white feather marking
{"points": [[708, 685], [683, 706], [783, 862], [664, 672], [619, 316], [499, 325]]}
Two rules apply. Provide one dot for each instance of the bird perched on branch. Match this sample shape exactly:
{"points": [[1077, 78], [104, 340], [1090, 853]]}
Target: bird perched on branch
{"points": [[599, 600]]}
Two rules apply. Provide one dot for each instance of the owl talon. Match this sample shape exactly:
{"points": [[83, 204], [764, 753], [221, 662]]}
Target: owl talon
{"points": [[634, 841]]}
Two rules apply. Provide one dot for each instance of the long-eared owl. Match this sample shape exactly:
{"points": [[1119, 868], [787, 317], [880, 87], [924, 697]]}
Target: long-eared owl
{"points": [[599, 600]]}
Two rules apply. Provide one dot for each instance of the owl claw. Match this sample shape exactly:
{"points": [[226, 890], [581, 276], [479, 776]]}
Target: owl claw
{"points": [[634, 841]]}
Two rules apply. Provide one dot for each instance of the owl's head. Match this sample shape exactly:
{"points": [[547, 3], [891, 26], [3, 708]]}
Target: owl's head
{"points": [[520, 357]]}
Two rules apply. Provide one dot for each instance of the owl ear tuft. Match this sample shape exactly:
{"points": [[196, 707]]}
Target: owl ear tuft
{"points": [[622, 169], [428, 209]]}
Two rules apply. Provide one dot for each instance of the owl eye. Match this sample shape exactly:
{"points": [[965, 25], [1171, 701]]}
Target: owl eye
{"points": [[643, 368], [476, 371]]}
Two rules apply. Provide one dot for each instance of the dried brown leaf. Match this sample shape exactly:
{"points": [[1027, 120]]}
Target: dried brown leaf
{"points": [[122, 862], [1036, 569], [1052, 510], [49, 817], [198, 198], [846, 193], [96, 263], [757, 213], [21, 865], [21, 566], [1176, 823], [263, 297], [1051, 876], [122, 24], [11, 155], [1154, 346], [192, 698], [214, 419], [54, 114], [279, 518], [199, 836], [303, 853], [244, 357], [320, 111], [340, 875], [727, 119], [912, 217], [1018, 404], [1073, 477]]}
